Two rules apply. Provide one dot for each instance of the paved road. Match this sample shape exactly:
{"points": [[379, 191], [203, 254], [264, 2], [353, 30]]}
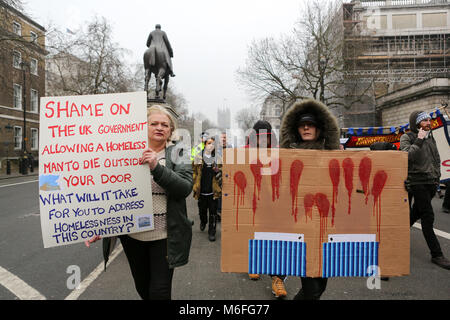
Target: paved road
{"points": [[43, 272]]}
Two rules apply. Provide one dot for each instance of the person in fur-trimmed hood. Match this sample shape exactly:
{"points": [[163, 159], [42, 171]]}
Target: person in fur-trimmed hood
{"points": [[310, 125], [328, 130]]}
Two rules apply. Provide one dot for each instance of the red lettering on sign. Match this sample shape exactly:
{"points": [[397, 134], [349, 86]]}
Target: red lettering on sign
{"points": [[69, 110], [74, 181], [121, 178], [446, 163]]}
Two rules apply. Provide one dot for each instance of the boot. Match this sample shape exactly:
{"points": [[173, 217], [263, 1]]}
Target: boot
{"points": [[441, 262], [278, 288], [253, 276]]}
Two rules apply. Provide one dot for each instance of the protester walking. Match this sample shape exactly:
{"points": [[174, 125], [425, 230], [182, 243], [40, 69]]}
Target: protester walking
{"points": [[262, 136], [223, 144], [423, 176], [310, 125], [153, 255], [207, 187]]}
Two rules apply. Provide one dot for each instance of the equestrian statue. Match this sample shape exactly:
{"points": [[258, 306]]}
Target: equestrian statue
{"points": [[158, 60]]}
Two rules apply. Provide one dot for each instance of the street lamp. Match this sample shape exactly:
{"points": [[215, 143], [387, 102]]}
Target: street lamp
{"points": [[24, 160]]}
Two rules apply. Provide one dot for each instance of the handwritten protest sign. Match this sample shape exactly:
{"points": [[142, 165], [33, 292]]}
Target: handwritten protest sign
{"points": [[91, 178]]}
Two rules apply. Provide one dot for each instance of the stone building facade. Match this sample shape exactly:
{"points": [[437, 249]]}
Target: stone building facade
{"points": [[429, 95], [22, 83], [394, 44]]}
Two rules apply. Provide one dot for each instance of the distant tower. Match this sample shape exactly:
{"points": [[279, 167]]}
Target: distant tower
{"points": [[224, 118]]}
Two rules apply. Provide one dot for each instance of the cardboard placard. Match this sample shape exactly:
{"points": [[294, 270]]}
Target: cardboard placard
{"points": [[91, 180], [283, 221]]}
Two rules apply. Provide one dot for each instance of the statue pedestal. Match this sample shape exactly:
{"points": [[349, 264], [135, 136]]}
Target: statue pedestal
{"points": [[162, 103]]}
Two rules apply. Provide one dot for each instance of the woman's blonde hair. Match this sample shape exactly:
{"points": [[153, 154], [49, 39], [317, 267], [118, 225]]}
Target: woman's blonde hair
{"points": [[156, 109]]}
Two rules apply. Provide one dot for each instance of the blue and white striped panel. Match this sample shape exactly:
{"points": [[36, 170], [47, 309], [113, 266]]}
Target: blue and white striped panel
{"points": [[349, 259], [277, 257]]}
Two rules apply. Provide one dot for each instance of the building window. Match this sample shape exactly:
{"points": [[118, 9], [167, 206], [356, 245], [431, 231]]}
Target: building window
{"points": [[33, 36], [34, 101], [34, 67], [434, 20], [34, 139], [404, 21], [17, 59], [17, 138], [17, 103], [17, 28]]}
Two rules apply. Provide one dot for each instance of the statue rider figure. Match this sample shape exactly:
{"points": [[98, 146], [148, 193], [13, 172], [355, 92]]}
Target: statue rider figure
{"points": [[158, 39]]}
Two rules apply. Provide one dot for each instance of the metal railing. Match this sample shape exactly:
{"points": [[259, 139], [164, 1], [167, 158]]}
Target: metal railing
{"points": [[386, 3]]}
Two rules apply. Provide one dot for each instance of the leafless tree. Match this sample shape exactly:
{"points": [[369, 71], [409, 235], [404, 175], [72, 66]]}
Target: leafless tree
{"points": [[247, 117], [88, 62], [309, 62]]}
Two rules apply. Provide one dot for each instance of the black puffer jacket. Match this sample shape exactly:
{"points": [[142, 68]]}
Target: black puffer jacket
{"points": [[329, 129], [424, 162]]}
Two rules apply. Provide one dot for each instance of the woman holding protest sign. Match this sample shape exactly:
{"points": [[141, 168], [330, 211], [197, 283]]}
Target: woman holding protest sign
{"points": [[310, 125], [153, 255]]}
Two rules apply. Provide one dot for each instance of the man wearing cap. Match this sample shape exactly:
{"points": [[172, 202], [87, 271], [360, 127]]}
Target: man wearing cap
{"points": [[423, 176]]}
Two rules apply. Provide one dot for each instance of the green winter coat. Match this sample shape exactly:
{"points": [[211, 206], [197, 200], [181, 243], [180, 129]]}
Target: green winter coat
{"points": [[176, 179]]}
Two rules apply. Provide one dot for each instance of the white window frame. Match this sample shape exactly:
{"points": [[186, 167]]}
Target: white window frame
{"points": [[17, 28], [18, 139], [34, 101], [17, 59], [34, 139], [17, 101], [33, 36], [34, 70]]}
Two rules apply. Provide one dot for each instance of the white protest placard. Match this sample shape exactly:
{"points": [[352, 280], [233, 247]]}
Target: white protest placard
{"points": [[91, 178]]}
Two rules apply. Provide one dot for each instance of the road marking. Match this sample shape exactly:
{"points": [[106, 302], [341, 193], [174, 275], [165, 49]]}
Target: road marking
{"points": [[18, 287], [75, 294], [436, 231], [17, 184]]}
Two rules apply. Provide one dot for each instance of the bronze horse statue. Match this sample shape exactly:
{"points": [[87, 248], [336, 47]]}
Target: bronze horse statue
{"points": [[155, 62]]}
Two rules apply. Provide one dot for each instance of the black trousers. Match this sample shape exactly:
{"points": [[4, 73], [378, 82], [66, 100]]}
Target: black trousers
{"points": [[205, 204], [312, 289], [149, 267], [446, 203], [422, 209]]}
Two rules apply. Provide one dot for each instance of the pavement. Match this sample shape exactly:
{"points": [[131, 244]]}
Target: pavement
{"points": [[200, 280], [15, 175]]}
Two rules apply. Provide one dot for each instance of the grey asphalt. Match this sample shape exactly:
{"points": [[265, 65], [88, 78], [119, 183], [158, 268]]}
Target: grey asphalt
{"points": [[22, 253]]}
